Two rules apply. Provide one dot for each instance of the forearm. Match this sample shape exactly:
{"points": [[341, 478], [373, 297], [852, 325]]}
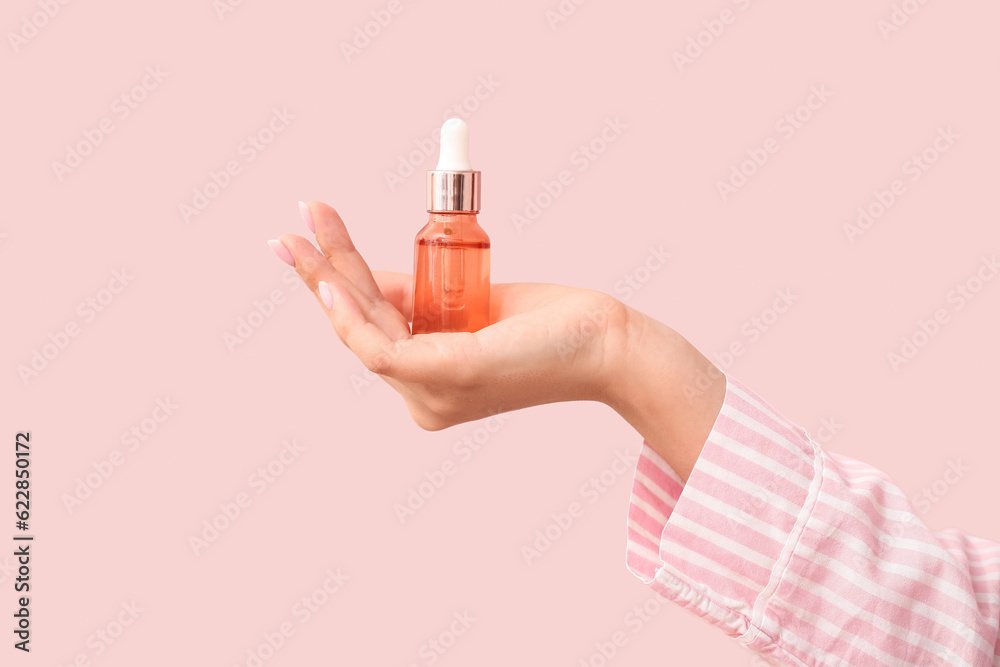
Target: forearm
{"points": [[669, 392]]}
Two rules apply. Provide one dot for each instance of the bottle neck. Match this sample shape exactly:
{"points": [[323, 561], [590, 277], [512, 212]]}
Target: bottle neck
{"points": [[454, 217]]}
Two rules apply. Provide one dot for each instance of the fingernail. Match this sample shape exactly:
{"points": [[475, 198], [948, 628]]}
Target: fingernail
{"points": [[307, 216], [324, 294], [281, 251]]}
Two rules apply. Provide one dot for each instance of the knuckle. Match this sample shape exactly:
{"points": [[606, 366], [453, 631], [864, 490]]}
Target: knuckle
{"points": [[379, 363], [309, 264]]}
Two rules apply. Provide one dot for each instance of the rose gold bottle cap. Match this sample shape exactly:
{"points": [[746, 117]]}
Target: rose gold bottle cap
{"points": [[453, 185]]}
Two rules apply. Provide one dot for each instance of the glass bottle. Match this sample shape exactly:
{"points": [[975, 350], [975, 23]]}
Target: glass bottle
{"points": [[451, 259]]}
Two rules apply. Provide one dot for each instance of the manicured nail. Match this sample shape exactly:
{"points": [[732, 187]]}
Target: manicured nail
{"points": [[281, 251], [307, 216], [324, 294]]}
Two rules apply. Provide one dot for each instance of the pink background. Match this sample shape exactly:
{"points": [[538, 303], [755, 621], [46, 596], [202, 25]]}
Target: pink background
{"points": [[162, 336]]}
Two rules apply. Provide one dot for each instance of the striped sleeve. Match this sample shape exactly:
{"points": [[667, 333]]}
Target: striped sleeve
{"points": [[808, 557]]}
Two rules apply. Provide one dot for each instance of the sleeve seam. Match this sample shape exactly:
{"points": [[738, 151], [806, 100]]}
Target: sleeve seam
{"points": [[795, 535]]}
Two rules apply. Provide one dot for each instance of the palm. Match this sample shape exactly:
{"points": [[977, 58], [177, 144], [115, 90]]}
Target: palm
{"points": [[544, 343], [539, 334]]}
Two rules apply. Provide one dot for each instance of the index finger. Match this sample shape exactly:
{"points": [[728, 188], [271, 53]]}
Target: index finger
{"points": [[337, 246]]}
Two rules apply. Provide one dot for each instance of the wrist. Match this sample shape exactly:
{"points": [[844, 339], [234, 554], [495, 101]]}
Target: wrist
{"points": [[667, 390]]}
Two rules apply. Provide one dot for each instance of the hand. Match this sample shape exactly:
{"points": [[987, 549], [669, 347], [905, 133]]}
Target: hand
{"points": [[545, 343]]}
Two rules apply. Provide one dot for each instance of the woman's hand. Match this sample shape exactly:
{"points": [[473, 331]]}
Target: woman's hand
{"points": [[544, 344]]}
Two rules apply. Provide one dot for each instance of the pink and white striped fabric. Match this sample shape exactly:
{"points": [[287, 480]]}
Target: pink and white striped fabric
{"points": [[807, 557]]}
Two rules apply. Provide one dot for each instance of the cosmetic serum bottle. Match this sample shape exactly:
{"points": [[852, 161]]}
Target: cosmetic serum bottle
{"points": [[451, 264]]}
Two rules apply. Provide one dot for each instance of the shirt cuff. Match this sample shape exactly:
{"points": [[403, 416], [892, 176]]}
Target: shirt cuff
{"points": [[719, 544]]}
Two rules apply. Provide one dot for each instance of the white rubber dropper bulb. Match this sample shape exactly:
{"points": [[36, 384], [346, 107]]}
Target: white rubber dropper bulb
{"points": [[454, 146]]}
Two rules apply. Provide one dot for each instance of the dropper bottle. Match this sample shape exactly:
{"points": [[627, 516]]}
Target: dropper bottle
{"points": [[451, 264]]}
